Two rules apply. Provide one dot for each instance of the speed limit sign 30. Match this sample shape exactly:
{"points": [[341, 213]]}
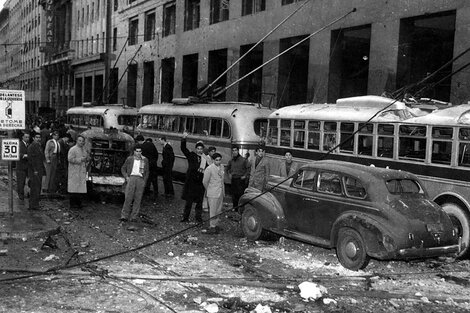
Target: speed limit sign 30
{"points": [[10, 149]]}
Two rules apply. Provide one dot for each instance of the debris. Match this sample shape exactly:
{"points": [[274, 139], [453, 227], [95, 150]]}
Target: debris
{"points": [[425, 299], [353, 301], [210, 307], [51, 257], [329, 301], [262, 309], [138, 281], [395, 304], [49, 243], [84, 244], [3, 252], [197, 300], [309, 290], [35, 250], [171, 253]]}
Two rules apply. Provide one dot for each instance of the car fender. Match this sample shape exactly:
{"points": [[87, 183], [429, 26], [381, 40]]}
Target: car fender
{"points": [[372, 231], [267, 206]]}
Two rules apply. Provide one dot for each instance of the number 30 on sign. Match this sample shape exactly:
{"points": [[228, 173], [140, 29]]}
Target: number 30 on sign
{"points": [[10, 149]]}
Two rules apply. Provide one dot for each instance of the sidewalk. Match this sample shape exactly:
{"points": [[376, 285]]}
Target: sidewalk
{"points": [[23, 223]]}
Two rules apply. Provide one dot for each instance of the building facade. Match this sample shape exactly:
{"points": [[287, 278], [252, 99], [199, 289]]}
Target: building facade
{"points": [[138, 52]]}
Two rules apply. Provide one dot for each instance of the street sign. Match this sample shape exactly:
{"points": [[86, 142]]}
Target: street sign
{"points": [[10, 149], [12, 109]]}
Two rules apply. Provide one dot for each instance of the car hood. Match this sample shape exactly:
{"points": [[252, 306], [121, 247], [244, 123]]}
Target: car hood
{"points": [[418, 208]]}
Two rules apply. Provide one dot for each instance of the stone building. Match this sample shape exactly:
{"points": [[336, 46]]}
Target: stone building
{"points": [[138, 52]]}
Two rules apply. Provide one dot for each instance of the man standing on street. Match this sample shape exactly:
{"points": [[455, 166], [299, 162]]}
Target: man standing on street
{"points": [[168, 159], [22, 167], [215, 190], [36, 171], [76, 182], [51, 153], [193, 190], [259, 170], [151, 153], [238, 169], [136, 172]]}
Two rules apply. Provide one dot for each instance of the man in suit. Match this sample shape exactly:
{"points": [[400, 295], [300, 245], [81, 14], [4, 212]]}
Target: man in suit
{"points": [[22, 166], [51, 153], [193, 190], [168, 160], [151, 153], [36, 170], [260, 170]]}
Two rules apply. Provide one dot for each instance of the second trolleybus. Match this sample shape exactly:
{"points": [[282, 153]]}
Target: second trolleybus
{"points": [[218, 124]]}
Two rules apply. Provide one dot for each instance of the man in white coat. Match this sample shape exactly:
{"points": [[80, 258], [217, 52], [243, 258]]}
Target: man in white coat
{"points": [[76, 183], [213, 181]]}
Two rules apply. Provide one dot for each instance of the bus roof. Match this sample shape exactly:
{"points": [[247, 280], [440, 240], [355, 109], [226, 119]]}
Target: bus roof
{"points": [[207, 109], [354, 109], [103, 109], [459, 114]]}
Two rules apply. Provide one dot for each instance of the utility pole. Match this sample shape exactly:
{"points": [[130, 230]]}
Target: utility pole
{"points": [[107, 58]]}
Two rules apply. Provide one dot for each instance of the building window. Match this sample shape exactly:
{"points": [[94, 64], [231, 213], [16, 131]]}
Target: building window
{"points": [[133, 31], [114, 38], [116, 5], [190, 70], [191, 14], [169, 18], [219, 11], [149, 33], [250, 88], [284, 2], [253, 6]]}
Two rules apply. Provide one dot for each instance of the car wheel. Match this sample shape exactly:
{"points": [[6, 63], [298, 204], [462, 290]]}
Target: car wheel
{"points": [[351, 249], [461, 221], [251, 224]]}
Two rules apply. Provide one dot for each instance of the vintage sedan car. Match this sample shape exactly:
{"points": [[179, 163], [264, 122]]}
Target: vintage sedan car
{"points": [[362, 211]]}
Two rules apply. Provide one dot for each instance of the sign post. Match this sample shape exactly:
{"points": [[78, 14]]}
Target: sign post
{"points": [[12, 116]]}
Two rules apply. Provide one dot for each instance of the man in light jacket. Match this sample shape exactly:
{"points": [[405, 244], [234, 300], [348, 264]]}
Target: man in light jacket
{"points": [[213, 181], [136, 172], [78, 157]]}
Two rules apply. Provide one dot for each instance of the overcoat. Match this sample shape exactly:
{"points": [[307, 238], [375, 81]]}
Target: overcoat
{"points": [[283, 169], [193, 188], [77, 170], [259, 174], [22, 164], [168, 156]]}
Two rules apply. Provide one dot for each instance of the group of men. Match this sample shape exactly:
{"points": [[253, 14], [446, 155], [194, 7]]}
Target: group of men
{"points": [[47, 167]]}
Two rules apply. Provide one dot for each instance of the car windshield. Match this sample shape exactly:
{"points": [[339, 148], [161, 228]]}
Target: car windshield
{"points": [[399, 186]]}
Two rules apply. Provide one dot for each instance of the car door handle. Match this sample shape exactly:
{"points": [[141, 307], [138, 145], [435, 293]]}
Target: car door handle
{"points": [[309, 199]]}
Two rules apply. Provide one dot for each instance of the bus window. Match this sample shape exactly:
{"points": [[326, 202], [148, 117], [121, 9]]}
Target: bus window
{"points": [[412, 142], [313, 135], [226, 133], [285, 133], [299, 134], [127, 120], [261, 127], [170, 123], [386, 141], [201, 125], [189, 124], [216, 127], [365, 139], [273, 132], [182, 124], [329, 136], [347, 137], [464, 147], [441, 145]]}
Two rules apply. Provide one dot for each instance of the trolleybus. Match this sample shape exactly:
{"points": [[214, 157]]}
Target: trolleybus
{"points": [[106, 116], [218, 124], [435, 146]]}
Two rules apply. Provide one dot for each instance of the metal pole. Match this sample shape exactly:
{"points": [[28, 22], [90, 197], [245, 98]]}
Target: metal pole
{"points": [[10, 180]]}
